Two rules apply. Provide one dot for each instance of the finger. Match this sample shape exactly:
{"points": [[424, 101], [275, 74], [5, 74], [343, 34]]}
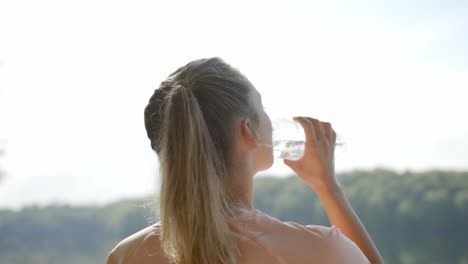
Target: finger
{"points": [[333, 137], [328, 130], [308, 128], [318, 128], [295, 165], [292, 164]]}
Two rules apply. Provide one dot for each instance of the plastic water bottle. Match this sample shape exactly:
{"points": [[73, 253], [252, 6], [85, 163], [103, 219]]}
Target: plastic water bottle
{"points": [[289, 138]]}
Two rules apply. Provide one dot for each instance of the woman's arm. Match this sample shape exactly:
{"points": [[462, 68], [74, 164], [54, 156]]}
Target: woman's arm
{"points": [[316, 167], [342, 215]]}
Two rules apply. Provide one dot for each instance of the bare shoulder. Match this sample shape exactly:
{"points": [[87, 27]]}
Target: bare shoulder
{"points": [[316, 232], [121, 252], [298, 242], [337, 247]]}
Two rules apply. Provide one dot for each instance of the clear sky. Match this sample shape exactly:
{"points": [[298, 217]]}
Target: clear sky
{"points": [[391, 77]]}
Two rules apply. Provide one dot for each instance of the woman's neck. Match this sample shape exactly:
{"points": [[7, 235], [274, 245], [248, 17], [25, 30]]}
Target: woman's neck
{"points": [[240, 188]]}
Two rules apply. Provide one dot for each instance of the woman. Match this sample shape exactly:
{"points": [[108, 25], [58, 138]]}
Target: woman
{"points": [[209, 129]]}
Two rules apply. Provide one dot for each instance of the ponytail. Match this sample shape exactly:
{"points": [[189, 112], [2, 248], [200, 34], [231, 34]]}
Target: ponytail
{"points": [[193, 202]]}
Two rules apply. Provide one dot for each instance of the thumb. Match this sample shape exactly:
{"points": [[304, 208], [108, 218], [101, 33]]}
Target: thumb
{"points": [[290, 164]]}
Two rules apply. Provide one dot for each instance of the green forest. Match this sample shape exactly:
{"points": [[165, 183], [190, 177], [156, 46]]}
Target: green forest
{"points": [[413, 217]]}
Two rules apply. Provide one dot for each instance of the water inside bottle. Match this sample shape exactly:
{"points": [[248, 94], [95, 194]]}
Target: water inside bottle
{"points": [[288, 149], [289, 139]]}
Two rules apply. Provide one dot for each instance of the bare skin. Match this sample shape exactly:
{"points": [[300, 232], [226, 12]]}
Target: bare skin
{"points": [[316, 168]]}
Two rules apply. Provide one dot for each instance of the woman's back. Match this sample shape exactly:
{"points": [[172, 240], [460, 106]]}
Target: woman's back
{"points": [[211, 133], [260, 239]]}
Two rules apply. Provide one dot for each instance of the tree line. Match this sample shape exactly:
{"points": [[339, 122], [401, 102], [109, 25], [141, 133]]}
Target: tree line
{"points": [[412, 217]]}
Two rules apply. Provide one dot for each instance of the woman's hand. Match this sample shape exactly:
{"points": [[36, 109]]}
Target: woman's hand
{"points": [[316, 167]]}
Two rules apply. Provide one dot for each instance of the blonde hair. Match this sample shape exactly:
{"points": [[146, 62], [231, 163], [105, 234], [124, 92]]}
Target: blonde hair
{"points": [[190, 122]]}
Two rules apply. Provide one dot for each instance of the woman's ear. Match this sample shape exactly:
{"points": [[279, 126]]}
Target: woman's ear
{"points": [[248, 133]]}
